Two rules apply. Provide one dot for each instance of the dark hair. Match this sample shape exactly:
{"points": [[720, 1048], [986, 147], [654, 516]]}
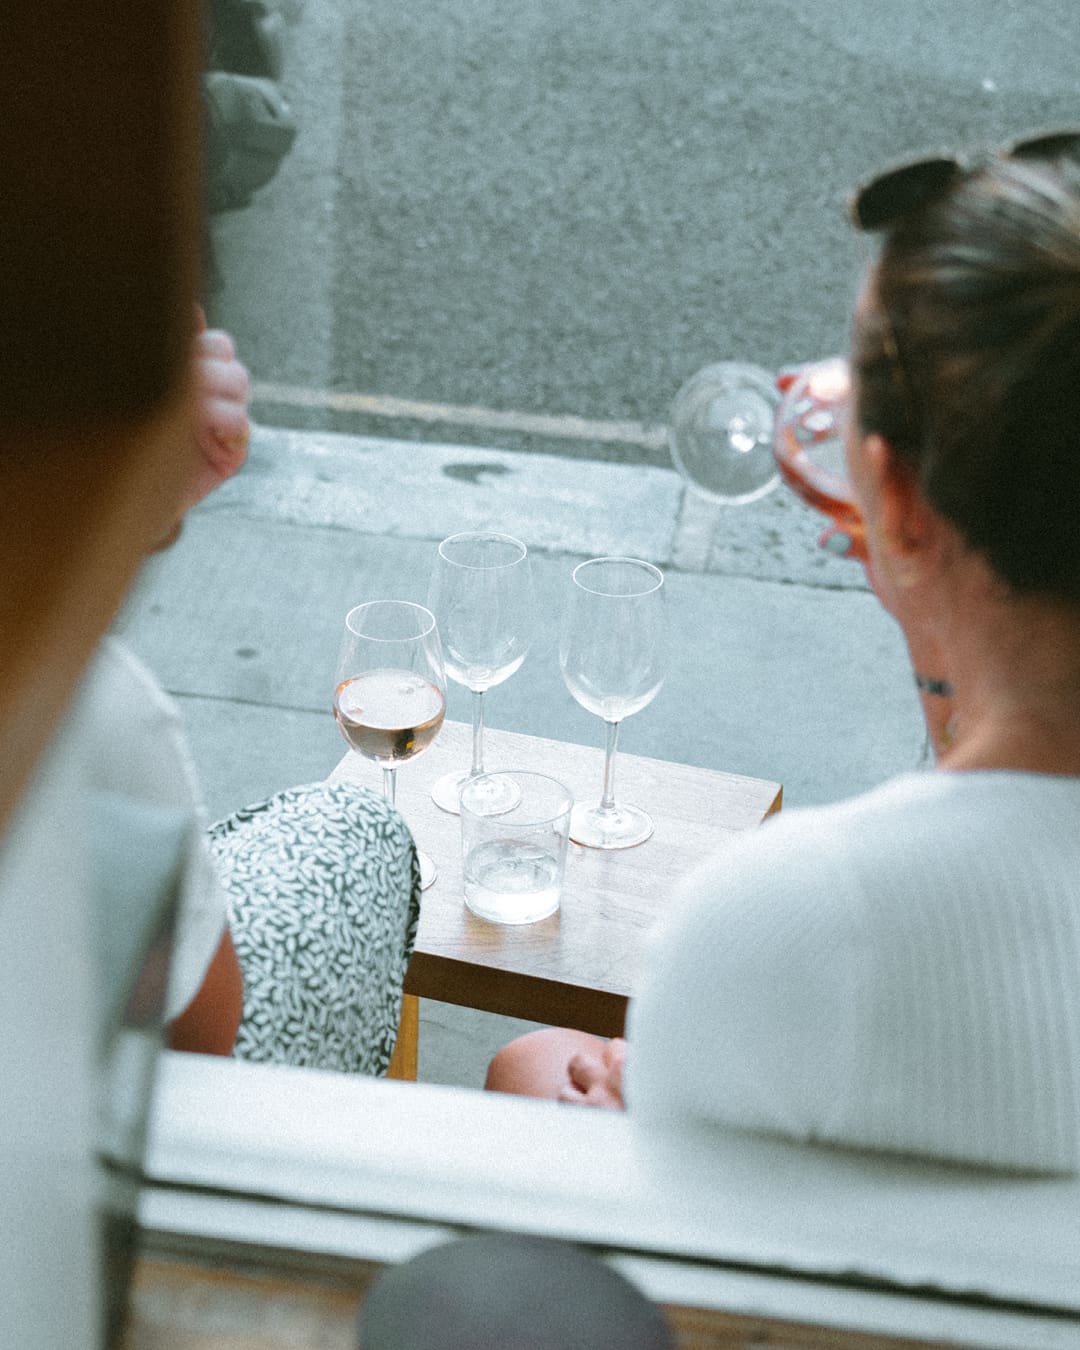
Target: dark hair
{"points": [[967, 361]]}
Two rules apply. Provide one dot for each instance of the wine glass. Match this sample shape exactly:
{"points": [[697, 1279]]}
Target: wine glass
{"points": [[611, 652], [721, 442], [390, 696], [481, 594]]}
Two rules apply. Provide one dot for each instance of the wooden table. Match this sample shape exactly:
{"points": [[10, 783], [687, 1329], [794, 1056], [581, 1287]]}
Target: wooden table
{"points": [[578, 967]]}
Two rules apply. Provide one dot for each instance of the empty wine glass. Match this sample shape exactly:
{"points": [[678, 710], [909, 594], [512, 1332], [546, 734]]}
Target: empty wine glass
{"points": [[611, 652], [481, 594], [390, 696]]}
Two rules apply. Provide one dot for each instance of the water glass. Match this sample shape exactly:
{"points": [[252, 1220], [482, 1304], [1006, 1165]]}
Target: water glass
{"points": [[514, 859]]}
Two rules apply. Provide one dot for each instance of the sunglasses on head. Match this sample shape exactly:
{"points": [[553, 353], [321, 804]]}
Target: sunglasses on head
{"points": [[895, 193]]}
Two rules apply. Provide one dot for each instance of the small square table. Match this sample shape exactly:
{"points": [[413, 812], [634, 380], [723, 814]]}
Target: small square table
{"points": [[579, 967]]}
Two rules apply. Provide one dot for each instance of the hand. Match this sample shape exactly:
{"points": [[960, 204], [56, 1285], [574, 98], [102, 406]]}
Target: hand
{"points": [[222, 428], [597, 1080]]}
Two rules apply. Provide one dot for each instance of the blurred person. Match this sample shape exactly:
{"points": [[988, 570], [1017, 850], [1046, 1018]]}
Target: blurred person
{"points": [[901, 971], [98, 148]]}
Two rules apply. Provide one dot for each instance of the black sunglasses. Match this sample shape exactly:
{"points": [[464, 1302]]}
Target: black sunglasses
{"points": [[891, 195]]}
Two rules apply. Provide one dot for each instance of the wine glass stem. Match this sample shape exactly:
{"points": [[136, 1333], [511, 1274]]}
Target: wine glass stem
{"points": [[477, 733], [389, 784], [607, 800]]}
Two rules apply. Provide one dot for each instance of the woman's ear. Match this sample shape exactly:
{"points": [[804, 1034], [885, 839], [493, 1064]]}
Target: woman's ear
{"points": [[904, 524]]}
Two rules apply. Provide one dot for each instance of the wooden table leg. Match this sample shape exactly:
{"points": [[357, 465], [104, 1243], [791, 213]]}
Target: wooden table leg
{"points": [[403, 1060]]}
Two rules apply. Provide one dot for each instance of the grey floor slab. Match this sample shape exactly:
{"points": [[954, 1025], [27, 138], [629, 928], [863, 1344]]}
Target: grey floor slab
{"points": [[408, 490], [456, 1044], [796, 672], [246, 752]]}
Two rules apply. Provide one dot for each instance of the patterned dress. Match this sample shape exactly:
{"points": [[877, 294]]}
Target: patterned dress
{"points": [[319, 885], [324, 898]]}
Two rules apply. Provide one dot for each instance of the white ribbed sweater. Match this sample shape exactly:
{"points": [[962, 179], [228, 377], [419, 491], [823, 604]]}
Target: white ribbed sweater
{"points": [[900, 971]]}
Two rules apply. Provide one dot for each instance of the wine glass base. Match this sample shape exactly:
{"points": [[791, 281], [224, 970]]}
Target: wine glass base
{"points": [[617, 827], [446, 792], [428, 870], [497, 797]]}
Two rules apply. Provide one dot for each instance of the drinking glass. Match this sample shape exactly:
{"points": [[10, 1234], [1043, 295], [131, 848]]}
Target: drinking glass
{"points": [[611, 652], [513, 860], [390, 696], [481, 594]]}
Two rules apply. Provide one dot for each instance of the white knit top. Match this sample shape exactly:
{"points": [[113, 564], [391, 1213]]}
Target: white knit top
{"points": [[900, 971]]}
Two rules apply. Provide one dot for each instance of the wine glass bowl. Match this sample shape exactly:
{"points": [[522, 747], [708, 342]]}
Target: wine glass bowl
{"points": [[612, 651], [390, 691], [370, 709], [720, 432], [481, 595]]}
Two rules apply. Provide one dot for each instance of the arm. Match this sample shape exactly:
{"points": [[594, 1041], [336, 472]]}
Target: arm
{"points": [[209, 1023]]}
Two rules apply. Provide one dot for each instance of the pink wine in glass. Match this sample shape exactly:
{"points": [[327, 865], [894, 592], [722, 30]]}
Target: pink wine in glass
{"points": [[389, 716]]}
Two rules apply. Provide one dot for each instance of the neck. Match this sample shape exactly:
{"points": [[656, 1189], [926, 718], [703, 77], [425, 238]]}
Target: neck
{"points": [[1014, 663]]}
